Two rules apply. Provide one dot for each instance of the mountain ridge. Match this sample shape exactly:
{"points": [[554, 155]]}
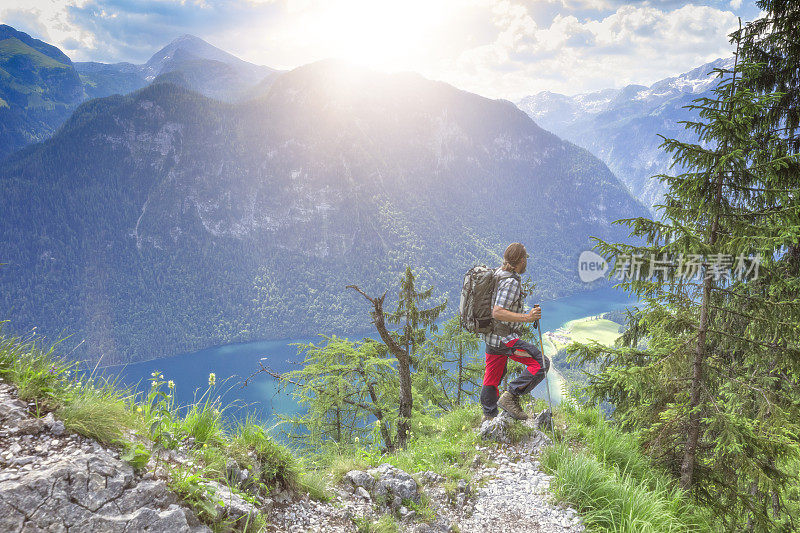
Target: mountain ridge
{"points": [[164, 221], [620, 126]]}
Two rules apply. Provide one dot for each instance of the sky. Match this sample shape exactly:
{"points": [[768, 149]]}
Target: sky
{"points": [[496, 48]]}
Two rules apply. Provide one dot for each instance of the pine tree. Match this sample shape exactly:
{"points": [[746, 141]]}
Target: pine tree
{"points": [[416, 322], [344, 385], [708, 371], [449, 364]]}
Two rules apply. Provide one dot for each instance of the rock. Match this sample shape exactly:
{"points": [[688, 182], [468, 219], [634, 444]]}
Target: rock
{"points": [[30, 426], [543, 421], [496, 429], [359, 478], [67, 487], [476, 461], [429, 476], [393, 483], [233, 507], [236, 475], [407, 515], [90, 493], [362, 493]]}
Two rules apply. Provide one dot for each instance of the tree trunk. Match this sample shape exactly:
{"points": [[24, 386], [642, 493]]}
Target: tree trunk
{"points": [[460, 373], [387, 438], [693, 433], [403, 366]]}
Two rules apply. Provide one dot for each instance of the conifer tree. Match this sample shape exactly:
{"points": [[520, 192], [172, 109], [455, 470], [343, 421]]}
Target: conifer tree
{"points": [[416, 321], [343, 385], [448, 363], [707, 370]]}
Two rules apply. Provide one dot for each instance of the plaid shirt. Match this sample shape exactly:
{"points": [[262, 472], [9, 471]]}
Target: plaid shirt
{"points": [[507, 297]]}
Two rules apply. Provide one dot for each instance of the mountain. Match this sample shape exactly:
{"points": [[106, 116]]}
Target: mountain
{"points": [[164, 221], [187, 61], [197, 65], [621, 126], [103, 79], [39, 88]]}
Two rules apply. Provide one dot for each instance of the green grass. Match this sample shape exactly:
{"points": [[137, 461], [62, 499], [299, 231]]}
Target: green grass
{"points": [[102, 410], [601, 472], [385, 524], [13, 47]]}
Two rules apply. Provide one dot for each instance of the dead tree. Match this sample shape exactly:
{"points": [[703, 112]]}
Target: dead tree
{"points": [[403, 364]]}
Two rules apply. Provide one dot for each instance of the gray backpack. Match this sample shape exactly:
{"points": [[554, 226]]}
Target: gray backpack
{"points": [[477, 295]]}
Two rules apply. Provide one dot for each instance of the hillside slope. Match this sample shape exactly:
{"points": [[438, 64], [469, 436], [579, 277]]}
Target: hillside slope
{"points": [[163, 221]]}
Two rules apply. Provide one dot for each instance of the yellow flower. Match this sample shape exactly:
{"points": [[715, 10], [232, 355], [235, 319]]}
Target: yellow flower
{"points": [[139, 409], [212, 378], [171, 384], [356, 439]]}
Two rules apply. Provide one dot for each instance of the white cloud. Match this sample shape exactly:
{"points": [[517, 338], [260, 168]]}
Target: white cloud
{"points": [[635, 44], [498, 48]]}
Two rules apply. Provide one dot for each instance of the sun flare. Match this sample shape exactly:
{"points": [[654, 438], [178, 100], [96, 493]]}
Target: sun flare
{"points": [[376, 33]]}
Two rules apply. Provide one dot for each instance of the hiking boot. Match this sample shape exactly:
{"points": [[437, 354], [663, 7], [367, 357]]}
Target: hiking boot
{"points": [[487, 418], [510, 404]]}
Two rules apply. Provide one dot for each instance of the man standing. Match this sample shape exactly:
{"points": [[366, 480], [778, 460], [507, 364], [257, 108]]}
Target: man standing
{"points": [[504, 342]]}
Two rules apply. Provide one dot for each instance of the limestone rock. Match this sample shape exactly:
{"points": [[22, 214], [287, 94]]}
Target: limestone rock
{"points": [[496, 429], [359, 478], [393, 483], [89, 492], [543, 421], [233, 507]]}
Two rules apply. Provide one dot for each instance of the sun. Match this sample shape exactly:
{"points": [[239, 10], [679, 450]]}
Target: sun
{"points": [[375, 33]]}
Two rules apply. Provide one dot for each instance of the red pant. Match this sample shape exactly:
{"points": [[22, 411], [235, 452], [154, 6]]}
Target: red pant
{"points": [[496, 360], [496, 366]]}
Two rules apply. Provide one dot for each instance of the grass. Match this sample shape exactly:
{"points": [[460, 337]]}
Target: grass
{"points": [[597, 468], [601, 471], [385, 524], [141, 427]]}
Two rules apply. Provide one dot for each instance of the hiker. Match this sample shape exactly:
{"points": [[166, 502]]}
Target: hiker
{"points": [[504, 342]]}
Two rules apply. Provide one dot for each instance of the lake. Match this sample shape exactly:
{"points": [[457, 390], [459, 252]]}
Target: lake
{"points": [[262, 398]]}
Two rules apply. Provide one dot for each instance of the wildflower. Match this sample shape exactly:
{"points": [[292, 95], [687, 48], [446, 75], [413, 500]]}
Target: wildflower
{"points": [[356, 440], [153, 383], [212, 378], [171, 384], [154, 373], [139, 409]]}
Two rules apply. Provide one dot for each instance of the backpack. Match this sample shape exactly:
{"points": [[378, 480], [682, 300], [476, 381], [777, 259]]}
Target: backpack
{"points": [[477, 295]]}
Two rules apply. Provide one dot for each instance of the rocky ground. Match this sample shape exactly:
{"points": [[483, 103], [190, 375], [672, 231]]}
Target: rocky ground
{"points": [[54, 481], [510, 492]]}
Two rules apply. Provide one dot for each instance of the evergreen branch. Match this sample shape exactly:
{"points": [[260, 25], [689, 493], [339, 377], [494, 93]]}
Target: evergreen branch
{"points": [[318, 390]]}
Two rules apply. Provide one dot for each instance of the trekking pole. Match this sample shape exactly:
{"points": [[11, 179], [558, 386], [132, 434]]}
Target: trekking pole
{"points": [[546, 379]]}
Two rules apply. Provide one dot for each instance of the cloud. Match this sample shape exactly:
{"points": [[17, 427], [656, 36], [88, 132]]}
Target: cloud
{"points": [[26, 20], [498, 48], [634, 44]]}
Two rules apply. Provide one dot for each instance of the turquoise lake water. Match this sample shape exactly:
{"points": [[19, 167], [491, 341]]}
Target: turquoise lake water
{"points": [[262, 398]]}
